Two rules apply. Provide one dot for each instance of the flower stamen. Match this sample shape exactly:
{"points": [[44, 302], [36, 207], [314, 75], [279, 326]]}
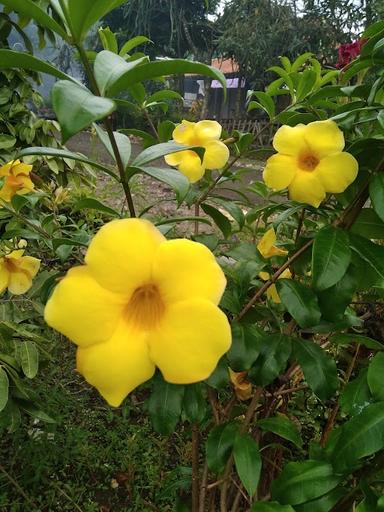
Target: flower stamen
{"points": [[308, 162], [145, 308]]}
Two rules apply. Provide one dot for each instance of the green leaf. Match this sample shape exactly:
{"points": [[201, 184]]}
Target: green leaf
{"points": [[29, 358], [160, 150], [369, 224], [7, 141], [63, 153], [164, 95], [35, 411], [77, 108], [334, 301], [132, 43], [283, 427], [29, 9], [221, 221], [376, 192], [94, 204], [164, 405], [109, 68], [108, 39], [271, 506], [368, 251], [245, 346], [303, 481], [331, 256], [83, 15], [275, 350], [10, 59], [323, 504], [247, 462], [375, 376], [299, 301], [319, 368], [121, 80], [220, 377], [306, 83], [194, 403], [356, 395], [347, 339], [122, 141], [171, 177], [361, 436], [147, 139], [219, 446], [4, 388], [266, 102]]}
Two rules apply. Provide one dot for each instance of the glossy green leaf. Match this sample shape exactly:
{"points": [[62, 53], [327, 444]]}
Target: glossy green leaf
{"points": [[356, 395], [4, 388], [334, 300], [219, 446], [7, 141], [132, 43], [266, 102], [165, 405], [77, 108], [331, 257], [307, 80], [376, 192], [160, 150], [299, 301], [245, 346], [220, 377], [108, 39], [375, 376], [94, 204], [361, 436], [147, 139], [122, 141], [29, 358], [275, 350], [171, 177], [319, 368], [221, 221], [371, 253], [303, 481], [247, 462], [63, 153], [369, 224], [194, 403], [83, 15], [323, 504], [348, 338], [166, 94], [10, 59], [283, 427], [271, 506]]}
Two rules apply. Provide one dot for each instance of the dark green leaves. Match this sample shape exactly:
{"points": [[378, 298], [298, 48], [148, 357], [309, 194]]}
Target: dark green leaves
{"points": [[194, 403], [160, 150], [300, 302], [283, 427], [4, 388], [303, 481], [76, 107], [164, 405], [29, 358], [219, 446], [219, 219], [11, 60], [171, 177], [376, 192], [275, 350], [271, 506], [319, 368], [331, 257], [356, 395], [245, 346], [375, 376], [369, 252], [247, 461]]}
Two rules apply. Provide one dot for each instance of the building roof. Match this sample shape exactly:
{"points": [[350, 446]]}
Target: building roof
{"points": [[225, 65]]}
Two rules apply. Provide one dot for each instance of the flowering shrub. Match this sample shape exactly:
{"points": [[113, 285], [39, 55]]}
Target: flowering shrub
{"points": [[237, 335]]}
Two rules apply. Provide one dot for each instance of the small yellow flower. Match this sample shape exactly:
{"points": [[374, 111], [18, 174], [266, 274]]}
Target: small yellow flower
{"points": [[272, 291], [17, 271], [266, 246], [17, 180], [241, 386], [310, 162], [205, 134], [142, 301]]}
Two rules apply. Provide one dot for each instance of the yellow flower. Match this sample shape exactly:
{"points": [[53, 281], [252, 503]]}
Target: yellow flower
{"points": [[272, 291], [142, 301], [205, 134], [17, 272], [241, 386], [266, 246], [17, 180], [310, 162]]}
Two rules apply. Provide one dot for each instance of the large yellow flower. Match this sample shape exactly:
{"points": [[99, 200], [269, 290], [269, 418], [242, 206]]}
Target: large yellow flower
{"points": [[205, 134], [267, 247], [142, 301], [17, 180], [310, 162], [17, 272]]}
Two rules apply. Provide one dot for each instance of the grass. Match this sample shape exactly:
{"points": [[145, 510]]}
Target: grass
{"points": [[94, 459]]}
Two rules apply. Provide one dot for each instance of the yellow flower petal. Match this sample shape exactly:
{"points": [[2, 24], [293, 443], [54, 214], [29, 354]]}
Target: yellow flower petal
{"points": [[30, 265], [242, 387], [279, 171], [264, 276], [290, 140], [4, 277], [324, 138], [306, 188], [16, 255], [7, 192], [273, 295], [216, 155], [191, 166], [27, 185], [19, 282], [337, 172], [266, 243], [82, 310], [184, 133], [120, 256], [21, 168], [190, 341], [208, 130], [174, 159], [184, 269], [117, 366], [5, 169]]}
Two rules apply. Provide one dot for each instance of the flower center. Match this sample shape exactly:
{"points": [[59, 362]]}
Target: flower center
{"points": [[145, 308], [308, 162]]}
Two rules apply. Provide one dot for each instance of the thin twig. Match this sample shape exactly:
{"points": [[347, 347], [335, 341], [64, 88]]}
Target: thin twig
{"points": [[203, 488]]}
